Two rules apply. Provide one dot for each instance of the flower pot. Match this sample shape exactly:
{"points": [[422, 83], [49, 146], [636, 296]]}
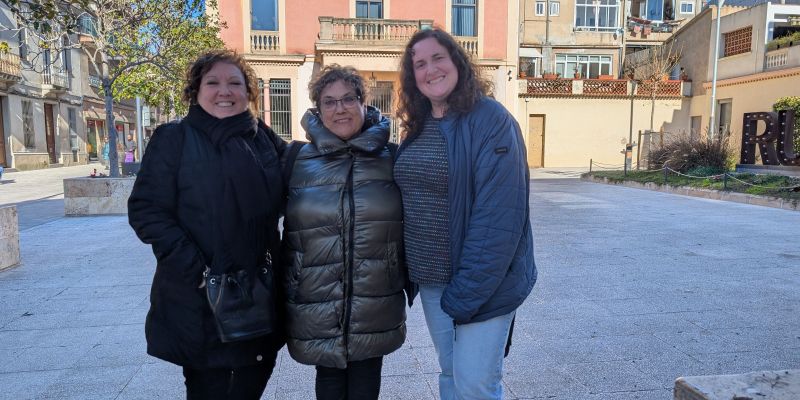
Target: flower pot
{"points": [[548, 75]]}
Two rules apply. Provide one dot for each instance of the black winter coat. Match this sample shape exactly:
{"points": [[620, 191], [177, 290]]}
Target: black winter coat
{"points": [[171, 208], [343, 239]]}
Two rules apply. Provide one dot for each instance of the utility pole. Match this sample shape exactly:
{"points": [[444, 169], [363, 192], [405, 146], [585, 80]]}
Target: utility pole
{"points": [[712, 129]]}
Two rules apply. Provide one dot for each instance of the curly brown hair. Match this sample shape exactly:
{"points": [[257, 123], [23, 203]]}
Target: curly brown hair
{"points": [[331, 74], [206, 61], [414, 107]]}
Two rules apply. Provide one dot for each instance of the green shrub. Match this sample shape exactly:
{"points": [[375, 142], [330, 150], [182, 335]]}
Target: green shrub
{"points": [[684, 154], [785, 41], [791, 103]]}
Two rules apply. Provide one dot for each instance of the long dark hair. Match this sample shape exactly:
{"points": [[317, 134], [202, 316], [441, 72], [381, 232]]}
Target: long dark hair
{"points": [[414, 106]]}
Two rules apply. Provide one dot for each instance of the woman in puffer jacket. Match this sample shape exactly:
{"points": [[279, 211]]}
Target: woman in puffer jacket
{"points": [[343, 237]]}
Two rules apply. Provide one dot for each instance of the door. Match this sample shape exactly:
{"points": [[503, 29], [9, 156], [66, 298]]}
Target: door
{"points": [[3, 161], [50, 132], [536, 141]]}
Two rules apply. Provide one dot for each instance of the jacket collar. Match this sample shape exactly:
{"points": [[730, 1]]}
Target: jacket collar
{"points": [[373, 137]]}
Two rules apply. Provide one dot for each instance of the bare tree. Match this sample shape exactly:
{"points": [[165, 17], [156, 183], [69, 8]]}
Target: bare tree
{"points": [[120, 38], [649, 67]]}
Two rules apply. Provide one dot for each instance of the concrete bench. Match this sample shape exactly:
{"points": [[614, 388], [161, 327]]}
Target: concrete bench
{"points": [[763, 385], [97, 196], [9, 237]]}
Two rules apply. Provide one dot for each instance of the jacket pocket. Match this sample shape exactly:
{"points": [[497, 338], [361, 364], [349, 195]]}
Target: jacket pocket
{"points": [[395, 276]]}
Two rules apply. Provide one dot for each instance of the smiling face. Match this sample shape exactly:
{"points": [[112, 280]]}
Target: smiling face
{"points": [[223, 92], [434, 72], [345, 118]]}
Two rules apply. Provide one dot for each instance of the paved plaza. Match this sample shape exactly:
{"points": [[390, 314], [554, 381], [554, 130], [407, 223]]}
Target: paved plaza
{"points": [[635, 289]]}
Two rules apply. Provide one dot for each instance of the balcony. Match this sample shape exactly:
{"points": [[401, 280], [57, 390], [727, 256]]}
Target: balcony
{"points": [[54, 83], [265, 42], [10, 70], [605, 88], [786, 57], [95, 81], [642, 30], [368, 34], [469, 43]]}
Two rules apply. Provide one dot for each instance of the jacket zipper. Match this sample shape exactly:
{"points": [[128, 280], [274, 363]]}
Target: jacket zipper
{"points": [[349, 248]]}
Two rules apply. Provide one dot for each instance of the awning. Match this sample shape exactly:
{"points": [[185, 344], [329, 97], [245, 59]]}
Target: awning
{"points": [[529, 52]]}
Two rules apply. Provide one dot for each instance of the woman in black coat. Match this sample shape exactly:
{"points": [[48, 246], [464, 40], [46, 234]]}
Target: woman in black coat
{"points": [[208, 194]]}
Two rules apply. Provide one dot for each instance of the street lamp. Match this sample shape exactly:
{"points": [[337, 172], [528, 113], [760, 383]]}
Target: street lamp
{"points": [[711, 125]]}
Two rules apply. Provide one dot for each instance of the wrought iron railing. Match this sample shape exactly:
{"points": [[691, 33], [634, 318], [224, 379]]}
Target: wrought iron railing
{"points": [[95, 81], [56, 79]]}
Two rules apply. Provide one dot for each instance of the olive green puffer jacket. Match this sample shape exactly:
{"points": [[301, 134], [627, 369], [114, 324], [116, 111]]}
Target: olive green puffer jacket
{"points": [[343, 240]]}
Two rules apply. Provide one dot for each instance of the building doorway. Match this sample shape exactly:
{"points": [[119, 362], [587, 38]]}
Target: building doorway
{"points": [[3, 161], [50, 132], [535, 143]]}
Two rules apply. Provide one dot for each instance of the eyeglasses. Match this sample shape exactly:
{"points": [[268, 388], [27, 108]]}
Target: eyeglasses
{"points": [[347, 102]]}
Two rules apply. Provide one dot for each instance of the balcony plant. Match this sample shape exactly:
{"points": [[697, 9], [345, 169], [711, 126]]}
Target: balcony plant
{"points": [[577, 73], [785, 41], [549, 75]]}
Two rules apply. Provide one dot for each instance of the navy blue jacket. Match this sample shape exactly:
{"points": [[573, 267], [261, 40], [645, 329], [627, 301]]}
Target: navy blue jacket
{"points": [[491, 242]]}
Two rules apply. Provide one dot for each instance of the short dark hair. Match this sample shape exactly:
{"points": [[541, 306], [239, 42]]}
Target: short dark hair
{"points": [[331, 74], [206, 61], [414, 106]]}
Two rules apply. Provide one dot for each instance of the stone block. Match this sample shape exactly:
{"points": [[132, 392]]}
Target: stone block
{"points": [[773, 385], [9, 237], [97, 196], [774, 202]]}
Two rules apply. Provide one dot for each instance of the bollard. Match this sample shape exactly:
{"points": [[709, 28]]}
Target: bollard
{"points": [[665, 175], [724, 181], [590, 165]]}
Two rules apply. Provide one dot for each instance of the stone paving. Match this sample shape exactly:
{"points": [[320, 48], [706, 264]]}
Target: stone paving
{"points": [[635, 289]]}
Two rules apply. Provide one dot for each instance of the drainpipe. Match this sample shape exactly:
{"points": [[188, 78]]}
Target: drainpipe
{"points": [[712, 129]]}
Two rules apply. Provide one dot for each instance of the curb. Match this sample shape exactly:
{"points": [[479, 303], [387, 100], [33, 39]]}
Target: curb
{"points": [[736, 197]]}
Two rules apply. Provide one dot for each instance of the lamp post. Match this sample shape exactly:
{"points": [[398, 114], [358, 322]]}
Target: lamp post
{"points": [[712, 130]]}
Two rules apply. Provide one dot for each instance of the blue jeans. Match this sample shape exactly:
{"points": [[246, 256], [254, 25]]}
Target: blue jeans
{"points": [[470, 355]]}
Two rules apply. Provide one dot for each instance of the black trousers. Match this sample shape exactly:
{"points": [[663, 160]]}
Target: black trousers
{"points": [[246, 383], [361, 380]]}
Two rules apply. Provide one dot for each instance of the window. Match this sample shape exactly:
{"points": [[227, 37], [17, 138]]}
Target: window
{"points": [[66, 61], [465, 18], [28, 136], [381, 96], [655, 10], [555, 8], [724, 117], [738, 41], [23, 45], [72, 119], [264, 15], [597, 15], [369, 9], [687, 7], [280, 103], [590, 66]]}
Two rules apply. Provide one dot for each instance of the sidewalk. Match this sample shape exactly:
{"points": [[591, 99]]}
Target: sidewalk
{"points": [[635, 289]]}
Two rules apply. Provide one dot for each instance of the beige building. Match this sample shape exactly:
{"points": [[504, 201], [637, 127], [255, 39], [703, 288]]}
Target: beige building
{"points": [[585, 112], [750, 77], [40, 109]]}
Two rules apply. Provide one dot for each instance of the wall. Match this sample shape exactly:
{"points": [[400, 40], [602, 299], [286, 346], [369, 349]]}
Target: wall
{"points": [[579, 129], [302, 24], [746, 63], [229, 12], [495, 18]]}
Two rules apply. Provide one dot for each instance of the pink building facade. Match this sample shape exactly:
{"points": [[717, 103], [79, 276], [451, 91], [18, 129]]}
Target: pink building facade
{"points": [[287, 41]]}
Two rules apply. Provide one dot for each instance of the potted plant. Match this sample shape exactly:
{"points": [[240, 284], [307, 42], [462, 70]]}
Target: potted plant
{"points": [[577, 73], [549, 75]]}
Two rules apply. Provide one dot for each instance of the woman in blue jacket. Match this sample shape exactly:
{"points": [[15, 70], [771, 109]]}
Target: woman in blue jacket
{"points": [[463, 176]]}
